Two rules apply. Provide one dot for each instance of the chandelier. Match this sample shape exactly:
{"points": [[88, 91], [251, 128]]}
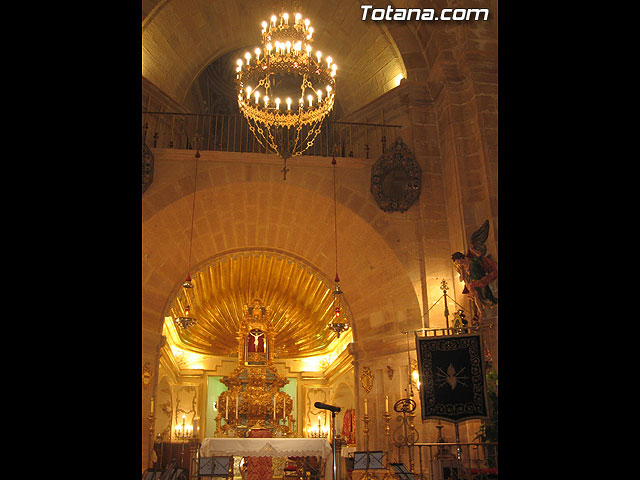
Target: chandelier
{"points": [[188, 320], [285, 90], [340, 321]]}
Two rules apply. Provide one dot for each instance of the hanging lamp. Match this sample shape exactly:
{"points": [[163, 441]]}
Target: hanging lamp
{"points": [[188, 320], [340, 321], [285, 72]]}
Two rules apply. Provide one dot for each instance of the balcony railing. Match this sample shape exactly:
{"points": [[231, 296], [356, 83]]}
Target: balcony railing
{"points": [[230, 133]]}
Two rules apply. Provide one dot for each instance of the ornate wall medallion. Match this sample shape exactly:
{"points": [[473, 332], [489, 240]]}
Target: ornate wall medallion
{"points": [[366, 379], [396, 178], [389, 372], [147, 373]]}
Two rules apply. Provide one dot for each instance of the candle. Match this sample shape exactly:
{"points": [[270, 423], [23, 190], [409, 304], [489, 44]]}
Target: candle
{"points": [[284, 405], [226, 407], [274, 407], [365, 406], [237, 397], [386, 404]]}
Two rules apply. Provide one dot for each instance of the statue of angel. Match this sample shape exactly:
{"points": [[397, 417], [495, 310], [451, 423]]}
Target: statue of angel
{"points": [[477, 270]]}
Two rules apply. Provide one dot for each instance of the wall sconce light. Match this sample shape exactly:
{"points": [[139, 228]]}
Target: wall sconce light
{"points": [[183, 432]]}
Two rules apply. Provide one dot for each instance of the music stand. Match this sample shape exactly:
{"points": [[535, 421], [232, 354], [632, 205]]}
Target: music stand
{"points": [[223, 466], [168, 473], [215, 467], [152, 474], [176, 474], [400, 470], [205, 467], [368, 460]]}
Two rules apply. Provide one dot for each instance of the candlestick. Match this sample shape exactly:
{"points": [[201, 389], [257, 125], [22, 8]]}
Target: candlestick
{"points": [[365, 430], [386, 418]]}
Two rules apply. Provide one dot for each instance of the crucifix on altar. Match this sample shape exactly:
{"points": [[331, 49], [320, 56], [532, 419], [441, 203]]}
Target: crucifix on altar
{"points": [[253, 399], [255, 337]]}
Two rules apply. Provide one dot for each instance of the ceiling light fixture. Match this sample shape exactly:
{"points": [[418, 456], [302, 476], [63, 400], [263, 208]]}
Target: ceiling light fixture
{"points": [[340, 321], [285, 69], [188, 320]]}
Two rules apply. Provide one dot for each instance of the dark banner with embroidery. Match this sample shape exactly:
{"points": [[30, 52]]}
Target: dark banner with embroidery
{"points": [[452, 376]]}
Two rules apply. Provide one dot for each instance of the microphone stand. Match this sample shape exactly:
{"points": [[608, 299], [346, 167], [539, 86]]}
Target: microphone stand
{"points": [[335, 462]]}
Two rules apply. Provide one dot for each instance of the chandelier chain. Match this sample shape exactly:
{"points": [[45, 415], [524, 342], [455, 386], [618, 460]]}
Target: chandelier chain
{"points": [[193, 211], [335, 215]]}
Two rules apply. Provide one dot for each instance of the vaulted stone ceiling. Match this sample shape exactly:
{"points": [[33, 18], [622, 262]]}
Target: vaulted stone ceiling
{"points": [[181, 38]]}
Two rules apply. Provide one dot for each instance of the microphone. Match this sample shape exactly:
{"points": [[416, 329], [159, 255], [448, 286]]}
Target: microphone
{"points": [[324, 406]]}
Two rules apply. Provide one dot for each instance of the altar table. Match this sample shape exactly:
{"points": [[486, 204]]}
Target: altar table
{"points": [[270, 447]]}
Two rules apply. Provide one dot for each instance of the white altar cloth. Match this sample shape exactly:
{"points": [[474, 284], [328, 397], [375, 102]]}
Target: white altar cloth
{"points": [[269, 447], [265, 447]]}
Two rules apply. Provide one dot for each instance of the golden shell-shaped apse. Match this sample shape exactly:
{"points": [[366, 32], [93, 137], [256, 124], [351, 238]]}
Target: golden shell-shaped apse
{"points": [[301, 305]]}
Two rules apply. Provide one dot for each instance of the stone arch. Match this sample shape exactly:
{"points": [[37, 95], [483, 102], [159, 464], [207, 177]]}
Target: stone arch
{"points": [[291, 219]]}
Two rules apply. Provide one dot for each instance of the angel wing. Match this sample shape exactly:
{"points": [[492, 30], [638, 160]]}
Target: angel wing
{"points": [[479, 237]]}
